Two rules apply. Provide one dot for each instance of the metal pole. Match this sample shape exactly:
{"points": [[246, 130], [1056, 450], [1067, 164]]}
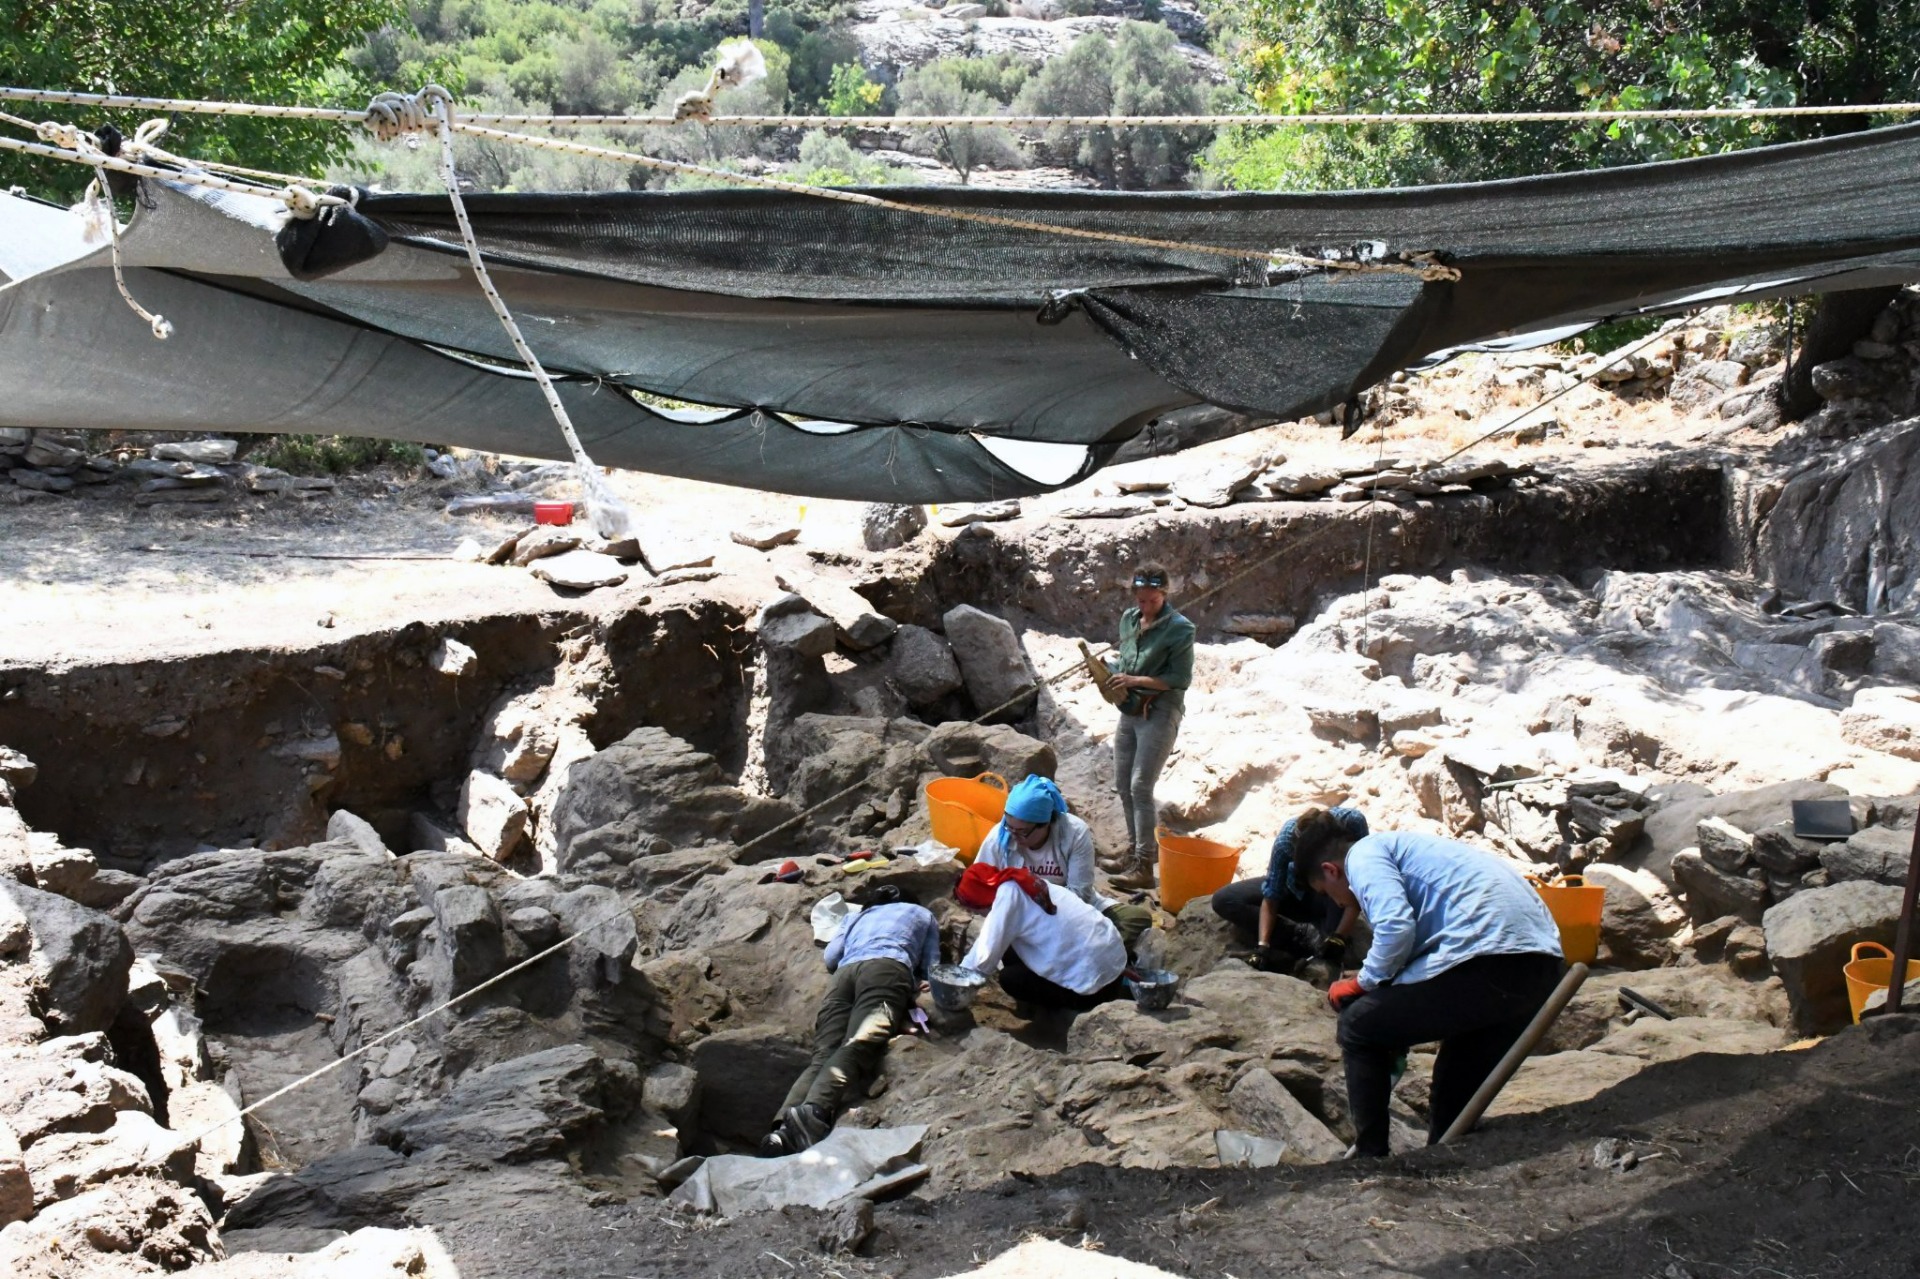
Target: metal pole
{"points": [[1903, 939], [1536, 1031]]}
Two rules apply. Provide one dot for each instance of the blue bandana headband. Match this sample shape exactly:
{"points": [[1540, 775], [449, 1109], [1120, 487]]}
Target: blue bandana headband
{"points": [[1035, 799]]}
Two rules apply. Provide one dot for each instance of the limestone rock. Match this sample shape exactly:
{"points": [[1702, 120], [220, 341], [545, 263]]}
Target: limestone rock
{"points": [[493, 815], [1217, 487], [1266, 1107], [202, 452], [579, 570], [959, 516], [960, 749], [787, 622], [372, 1252], [143, 1221], [672, 1091], [467, 926], [1884, 719], [16, 770], [1268, 627], [1778, 851], [347, 828], [59, 869], [64, 1164], [1709, 893], [1120, 1031], [57, 1092], [859, 624], [921, 665], [198, 1107], [16, 1187], [451, 657], [518, 739], [1561, 1079], [1651, 1039], [1878, 854], [542, 541], [1640, 918], [79, 959], [745, 1072], [1347, 719], [994, 666], [1809, 937], [886, 527], [765, 537]]}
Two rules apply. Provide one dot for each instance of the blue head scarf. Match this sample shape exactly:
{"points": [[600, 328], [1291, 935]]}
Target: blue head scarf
{"points": [[1281, 878], [1035, 799]]}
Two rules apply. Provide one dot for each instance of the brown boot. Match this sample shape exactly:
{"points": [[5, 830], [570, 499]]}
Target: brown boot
{"points": [[1113, 863], [1138, 878]]}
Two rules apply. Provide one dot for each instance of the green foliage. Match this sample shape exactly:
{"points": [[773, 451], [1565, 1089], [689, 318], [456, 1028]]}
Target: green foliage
{"points": [[272, 51], [1000, 76], [812, 55], [827, 160], [1138, 72], [335, 454], [938, 89], [852, 92], [1496, 56]]}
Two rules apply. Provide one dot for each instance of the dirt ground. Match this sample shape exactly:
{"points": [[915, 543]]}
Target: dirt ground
{"points": [[1777, 1166]]}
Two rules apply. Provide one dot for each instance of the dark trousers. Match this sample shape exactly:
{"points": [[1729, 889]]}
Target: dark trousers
{"points": [[1476, 1010], [1025, 985], [1299, 924], [866, 1002]]}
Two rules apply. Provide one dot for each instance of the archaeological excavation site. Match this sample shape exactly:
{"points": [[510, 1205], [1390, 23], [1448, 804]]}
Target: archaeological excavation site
{"points": [[373, 903]]}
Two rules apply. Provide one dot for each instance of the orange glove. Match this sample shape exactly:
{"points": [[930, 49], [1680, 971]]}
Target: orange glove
{"points": [[1344, 992]]}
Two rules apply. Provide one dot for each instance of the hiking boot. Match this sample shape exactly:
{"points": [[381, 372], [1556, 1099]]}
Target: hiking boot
{"points": [[1113, 863], [774, 1145], [804, 1126], [1138, 878]]}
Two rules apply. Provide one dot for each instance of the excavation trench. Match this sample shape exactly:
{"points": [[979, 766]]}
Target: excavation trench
{"points": [[674, 734]]}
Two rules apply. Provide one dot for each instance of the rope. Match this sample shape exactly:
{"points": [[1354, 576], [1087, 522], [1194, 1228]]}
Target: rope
{"points": [[403, 113], [200, 106], [293, 196], [1420, 266]]}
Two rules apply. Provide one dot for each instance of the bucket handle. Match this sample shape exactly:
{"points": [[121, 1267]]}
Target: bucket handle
{"points": [[1559, 881], [991, 779], [1873, 948]]}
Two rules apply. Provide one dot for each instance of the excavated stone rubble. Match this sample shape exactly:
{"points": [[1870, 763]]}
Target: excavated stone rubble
{"points": [[1625, 675]]}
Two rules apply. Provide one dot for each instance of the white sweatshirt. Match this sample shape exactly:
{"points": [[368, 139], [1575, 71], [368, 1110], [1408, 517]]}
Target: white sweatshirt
{"points": [[1076, 947], [1065, 859]]}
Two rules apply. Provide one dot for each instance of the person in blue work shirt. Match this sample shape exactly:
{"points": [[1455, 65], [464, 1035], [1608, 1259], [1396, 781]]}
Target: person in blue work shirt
{"points": [[1291, 925], [1464, 953], [878, 959], [1040, 836]]}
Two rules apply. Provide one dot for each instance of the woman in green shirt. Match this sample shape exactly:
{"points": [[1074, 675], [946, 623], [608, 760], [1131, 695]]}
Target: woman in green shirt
{"points": [[1154, 665]]}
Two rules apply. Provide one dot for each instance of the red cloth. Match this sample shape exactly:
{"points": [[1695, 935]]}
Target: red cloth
{"points": [[980, 883]]}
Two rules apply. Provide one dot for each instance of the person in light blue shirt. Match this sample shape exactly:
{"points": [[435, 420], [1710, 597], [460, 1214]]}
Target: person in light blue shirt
{"points": [[878, 960], [1464, 953]]}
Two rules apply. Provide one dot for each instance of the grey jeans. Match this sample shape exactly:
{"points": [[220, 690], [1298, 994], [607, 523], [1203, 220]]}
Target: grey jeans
{"points": [[1140, 750]]}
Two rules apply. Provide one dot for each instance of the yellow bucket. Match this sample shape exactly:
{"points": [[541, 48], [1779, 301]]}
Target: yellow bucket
{"points": [[1191, 867], [1864, 976], [964, 809], [1576, 909]]}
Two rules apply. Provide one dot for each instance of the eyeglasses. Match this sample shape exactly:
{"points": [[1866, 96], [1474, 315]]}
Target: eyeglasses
{"points": [[1025, 829]]}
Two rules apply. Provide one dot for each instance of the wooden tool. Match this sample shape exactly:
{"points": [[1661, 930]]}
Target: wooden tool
{"points": [[1102, 676]]}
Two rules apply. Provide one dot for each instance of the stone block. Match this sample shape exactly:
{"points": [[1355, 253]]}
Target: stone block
{"points": [[1809, 939]]}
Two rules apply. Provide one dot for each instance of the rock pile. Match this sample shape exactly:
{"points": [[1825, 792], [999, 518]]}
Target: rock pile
{"points": [[36, 464]]}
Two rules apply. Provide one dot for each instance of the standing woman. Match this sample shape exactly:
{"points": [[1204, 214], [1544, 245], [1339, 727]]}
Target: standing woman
{"points": [[1153, 666]]}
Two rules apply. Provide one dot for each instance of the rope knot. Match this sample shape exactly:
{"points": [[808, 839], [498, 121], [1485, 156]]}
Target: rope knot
{"points": [[397, 115]]}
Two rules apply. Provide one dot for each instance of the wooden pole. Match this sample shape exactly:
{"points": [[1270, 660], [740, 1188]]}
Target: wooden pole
{"points": [[1536, 1031]]}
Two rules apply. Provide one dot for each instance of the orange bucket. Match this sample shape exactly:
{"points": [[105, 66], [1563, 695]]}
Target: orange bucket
{"points": [[1864, 976], [1576, 909], [964, 809], [1192, 867]]}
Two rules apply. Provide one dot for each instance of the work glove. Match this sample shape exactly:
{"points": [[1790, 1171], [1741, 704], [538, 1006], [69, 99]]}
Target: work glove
{"points": [[1268, 960], [1333, 949], [1344, 992]]}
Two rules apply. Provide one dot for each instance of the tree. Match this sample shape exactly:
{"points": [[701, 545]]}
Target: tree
{"points": [[270, 51], [936, 90], [852, 92], [1138, 72], [1486, 56]]}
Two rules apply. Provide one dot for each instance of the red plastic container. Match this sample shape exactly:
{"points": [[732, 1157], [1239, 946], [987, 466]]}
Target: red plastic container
{"points": [[553, 512]]}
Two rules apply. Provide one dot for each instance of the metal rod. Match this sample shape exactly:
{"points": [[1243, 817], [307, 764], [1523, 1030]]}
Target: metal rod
{"points": [[1903, 939], [1536, 1031]]}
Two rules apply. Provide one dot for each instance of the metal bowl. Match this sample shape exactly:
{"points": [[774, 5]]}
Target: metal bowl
{"points": [[954, 987]]}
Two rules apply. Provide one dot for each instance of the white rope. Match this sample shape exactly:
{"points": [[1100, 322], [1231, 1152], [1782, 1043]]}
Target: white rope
{"points": [[207, 107], [292, 196], [434, 106], [1417, 265]]}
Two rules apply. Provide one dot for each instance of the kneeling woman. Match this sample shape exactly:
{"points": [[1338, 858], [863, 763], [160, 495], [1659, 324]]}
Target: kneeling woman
{"points": [[1049, 947], [1039, 835]]}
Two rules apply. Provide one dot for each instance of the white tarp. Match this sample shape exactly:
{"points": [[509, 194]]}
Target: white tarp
{"points": [[850, 1162]]}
